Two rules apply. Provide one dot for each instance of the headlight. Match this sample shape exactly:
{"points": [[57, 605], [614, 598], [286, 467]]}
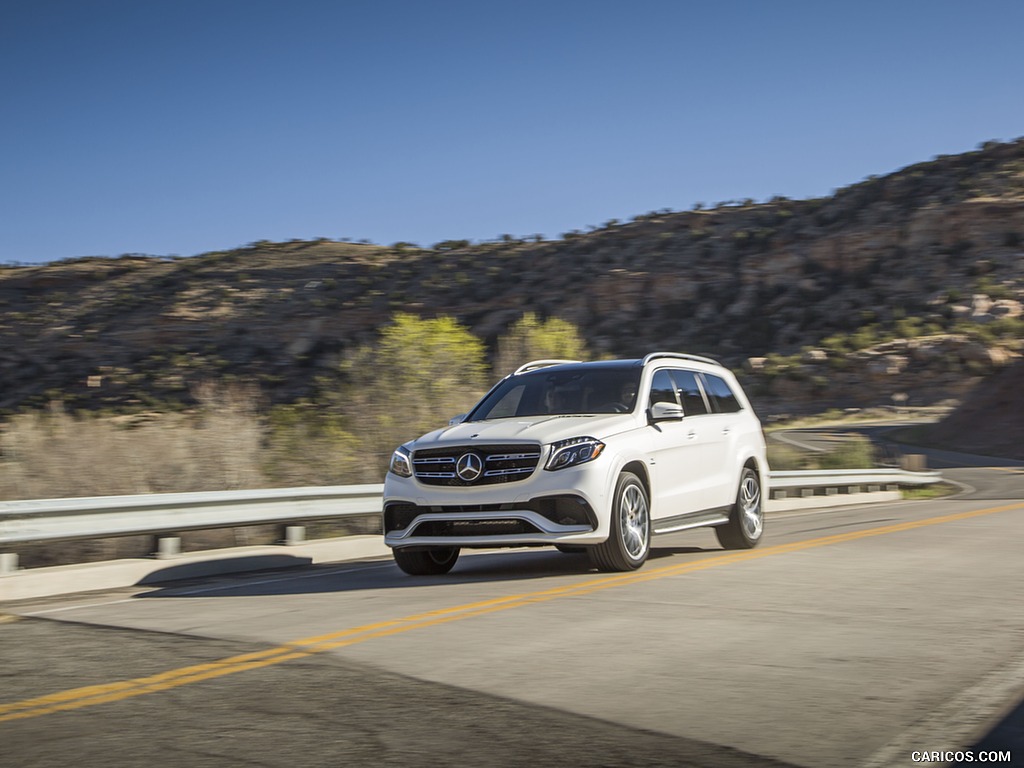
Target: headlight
{"points": [[577, 450], [401, 463]]}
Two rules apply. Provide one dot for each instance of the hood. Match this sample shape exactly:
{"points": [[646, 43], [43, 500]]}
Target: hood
{"points": [[539, 429]]}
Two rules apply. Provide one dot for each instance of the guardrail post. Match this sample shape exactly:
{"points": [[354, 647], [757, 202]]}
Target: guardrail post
{"points": [[294, 534], [167, 546], [914, 462], [8, 562]]}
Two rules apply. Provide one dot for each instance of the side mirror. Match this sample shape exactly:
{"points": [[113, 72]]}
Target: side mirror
{"points": [[457, 419], [665, 412]]}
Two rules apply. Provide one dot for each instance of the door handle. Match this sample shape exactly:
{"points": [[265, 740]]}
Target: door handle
{"points": [[691, 436], [727, 430]]}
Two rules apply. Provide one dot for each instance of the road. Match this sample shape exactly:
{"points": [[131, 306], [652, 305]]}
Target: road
{"points": [[851, 637]]}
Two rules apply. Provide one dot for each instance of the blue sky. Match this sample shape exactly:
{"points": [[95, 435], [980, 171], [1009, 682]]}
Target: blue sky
{"points": [[185, 126]]}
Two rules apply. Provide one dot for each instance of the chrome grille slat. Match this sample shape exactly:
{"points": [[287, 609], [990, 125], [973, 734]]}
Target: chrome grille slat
{"points": [[502, 463]]}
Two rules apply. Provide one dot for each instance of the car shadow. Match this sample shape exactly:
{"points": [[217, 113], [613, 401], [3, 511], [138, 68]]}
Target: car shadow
{"points": [[206, 569], [182, 581]]}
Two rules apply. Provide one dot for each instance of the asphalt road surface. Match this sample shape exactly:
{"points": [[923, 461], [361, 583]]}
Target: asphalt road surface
{"points": [[851, 637]]}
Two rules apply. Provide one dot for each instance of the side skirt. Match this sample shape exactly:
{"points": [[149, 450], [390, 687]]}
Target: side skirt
{"points": [[719, 516]]}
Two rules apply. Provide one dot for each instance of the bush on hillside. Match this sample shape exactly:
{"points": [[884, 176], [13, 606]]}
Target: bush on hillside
{"points": [[417, 375], [533, 339]]}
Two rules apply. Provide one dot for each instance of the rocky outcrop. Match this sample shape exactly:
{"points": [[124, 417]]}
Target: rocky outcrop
{"points": [[934, 251], [914, 372]]}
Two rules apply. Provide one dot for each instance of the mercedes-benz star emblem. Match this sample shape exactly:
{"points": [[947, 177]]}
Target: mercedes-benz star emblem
{"points": [[469, 467]]}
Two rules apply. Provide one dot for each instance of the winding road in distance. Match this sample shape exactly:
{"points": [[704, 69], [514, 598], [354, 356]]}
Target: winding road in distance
{"points": [[851, 637]]}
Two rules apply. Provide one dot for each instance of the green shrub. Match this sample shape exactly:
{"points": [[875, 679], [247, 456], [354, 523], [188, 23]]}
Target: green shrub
{"points": [[417, 375], [529, 338], [451, 245], [856, 452], [785, 458]]}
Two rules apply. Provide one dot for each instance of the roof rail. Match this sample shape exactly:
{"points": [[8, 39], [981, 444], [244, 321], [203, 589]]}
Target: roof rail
{"points": [[680, 356], [535, 364]]}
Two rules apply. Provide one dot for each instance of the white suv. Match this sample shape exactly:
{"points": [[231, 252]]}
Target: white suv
{"points": [[591, 457]]}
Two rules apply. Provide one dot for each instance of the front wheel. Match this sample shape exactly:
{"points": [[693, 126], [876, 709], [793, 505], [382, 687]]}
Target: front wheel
{"points": [[746, 522], [629, 537], [432, 561]]}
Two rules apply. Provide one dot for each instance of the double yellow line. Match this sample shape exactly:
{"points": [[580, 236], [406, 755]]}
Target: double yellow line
{"points": [[88, 696]]}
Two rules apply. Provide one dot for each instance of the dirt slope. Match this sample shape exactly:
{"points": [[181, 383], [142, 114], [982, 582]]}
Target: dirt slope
{"points": [[991, 419]]}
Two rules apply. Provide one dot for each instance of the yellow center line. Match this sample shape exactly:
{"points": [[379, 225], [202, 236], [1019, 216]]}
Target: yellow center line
{"points": [[109, 692]]}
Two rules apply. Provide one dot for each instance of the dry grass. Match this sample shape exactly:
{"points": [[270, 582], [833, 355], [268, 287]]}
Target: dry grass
{"points": [[57, 455]]}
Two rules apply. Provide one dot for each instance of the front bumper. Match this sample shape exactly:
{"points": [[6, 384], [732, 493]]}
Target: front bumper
{"points": [[563, 507]]}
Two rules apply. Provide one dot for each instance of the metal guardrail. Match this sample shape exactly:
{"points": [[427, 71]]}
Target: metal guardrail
{"points": [[105, 516], [806, 482], [66, 519]]}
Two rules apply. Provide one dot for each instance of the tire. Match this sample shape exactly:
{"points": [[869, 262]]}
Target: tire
{"points": [[746, 522], [629, 537], [433, 561]]}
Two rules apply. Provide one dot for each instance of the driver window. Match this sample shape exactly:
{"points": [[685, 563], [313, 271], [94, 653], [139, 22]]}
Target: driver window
{"points": [[663, 390]]}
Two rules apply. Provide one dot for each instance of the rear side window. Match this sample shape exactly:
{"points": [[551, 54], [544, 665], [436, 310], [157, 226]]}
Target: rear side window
{"points": [[689, 393], [723, 399]]}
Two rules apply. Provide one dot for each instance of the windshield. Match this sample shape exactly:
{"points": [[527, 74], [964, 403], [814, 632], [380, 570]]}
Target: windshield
{"points": [[573, 391]]}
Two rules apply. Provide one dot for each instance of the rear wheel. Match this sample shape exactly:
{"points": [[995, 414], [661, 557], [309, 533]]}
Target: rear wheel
{"points": [[746, 523], [432, 561], [629, 537]]}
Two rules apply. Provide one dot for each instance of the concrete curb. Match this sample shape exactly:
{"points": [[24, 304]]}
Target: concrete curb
{"points": [[827, 502], [86, 577]]}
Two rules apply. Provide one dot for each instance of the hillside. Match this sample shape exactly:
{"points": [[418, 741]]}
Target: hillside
{"points": [[990, 421], [909, 285]]}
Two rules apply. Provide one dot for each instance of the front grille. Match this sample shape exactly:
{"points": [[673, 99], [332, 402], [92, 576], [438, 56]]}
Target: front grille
{"points": [[492, 464]]}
